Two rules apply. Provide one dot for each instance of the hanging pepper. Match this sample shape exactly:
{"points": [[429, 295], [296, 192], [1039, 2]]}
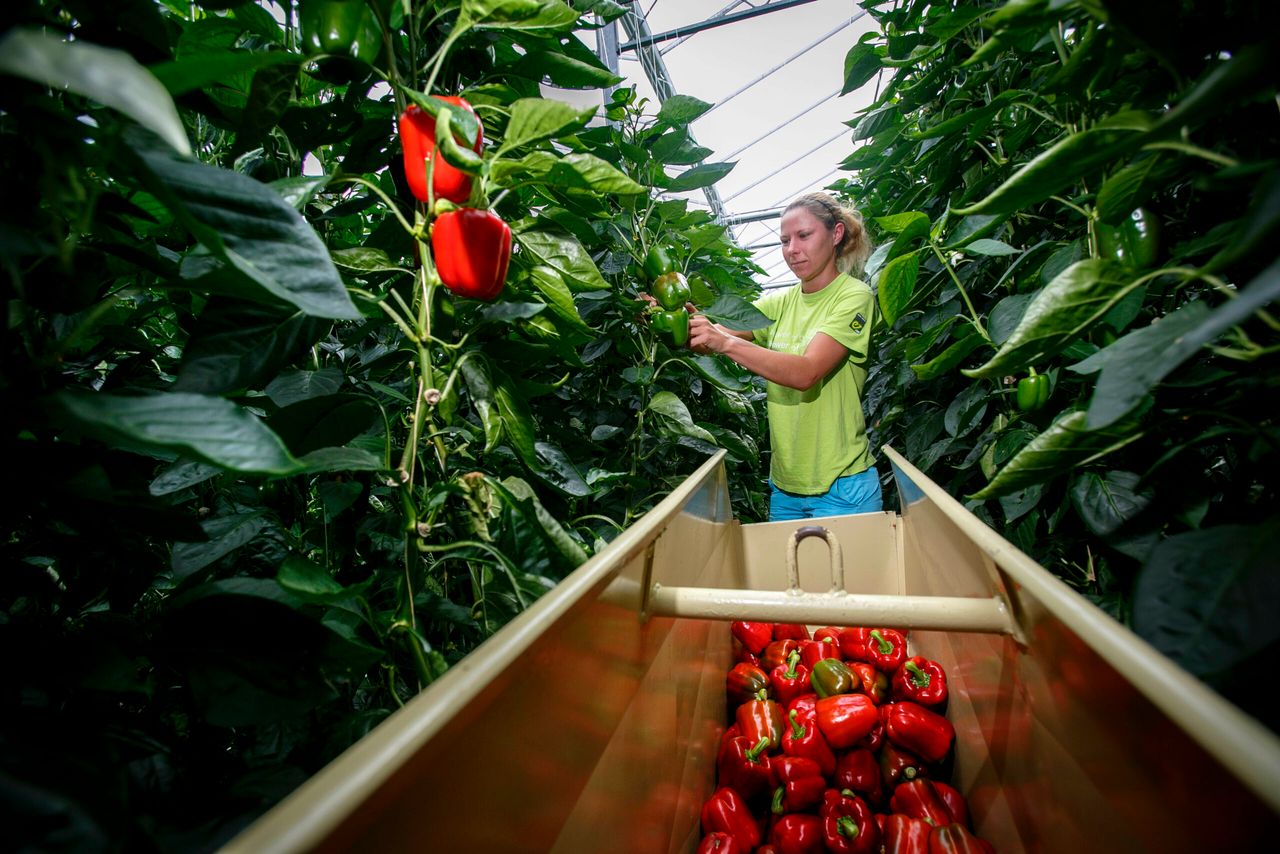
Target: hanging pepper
{"points": [[673, 325], [886, 649], [793, 631], [720, 843], [340, 33], [903, 834], [913, 727], [845, 719], [657, 262], [797, 833], [799, 739], [830, 676], [789, 680], [754, 636], [919, 799], [761, 718], [798, 784], [858, 771], [777, 653], [744, 767], [956, 839], [813, 651], [898, 766], [743, 682], [418, 133], [1033, 391], [671, 290], [472, 250], [848, 826], [874, 683], [853, 644], [955, 802], [920, 680], [726, 812], [1135, 241]]}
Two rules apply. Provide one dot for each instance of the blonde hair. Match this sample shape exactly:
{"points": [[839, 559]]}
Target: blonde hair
{"points": [[854, 248]]}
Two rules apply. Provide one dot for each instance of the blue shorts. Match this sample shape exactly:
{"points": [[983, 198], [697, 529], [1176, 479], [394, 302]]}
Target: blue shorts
{"points": [[855, 493]]}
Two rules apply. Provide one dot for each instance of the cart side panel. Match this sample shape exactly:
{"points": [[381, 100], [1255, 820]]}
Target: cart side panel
{"points": [[870, 543], [1058, 750]]}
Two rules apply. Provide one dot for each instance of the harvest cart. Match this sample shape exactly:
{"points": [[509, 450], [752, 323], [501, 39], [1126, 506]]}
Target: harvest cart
{"points": [[590, 722]]}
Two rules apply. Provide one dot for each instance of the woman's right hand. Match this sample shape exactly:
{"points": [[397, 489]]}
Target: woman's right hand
{"points": [[707, 336]]}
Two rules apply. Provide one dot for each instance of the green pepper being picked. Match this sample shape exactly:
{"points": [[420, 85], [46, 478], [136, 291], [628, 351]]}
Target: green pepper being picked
{"points": [[673, 325], [671, 290], [342, 34], [1033, 392], [657, 262]]}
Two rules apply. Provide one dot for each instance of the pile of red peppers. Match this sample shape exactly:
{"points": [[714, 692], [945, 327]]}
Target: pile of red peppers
{"points": [[835, 742], [471, 246]]}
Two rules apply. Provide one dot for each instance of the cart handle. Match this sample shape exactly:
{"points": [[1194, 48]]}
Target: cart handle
{"points": [[833, 546]]}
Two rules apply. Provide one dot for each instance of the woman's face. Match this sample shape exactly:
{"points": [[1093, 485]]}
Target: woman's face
{"points": [[808, 246]]}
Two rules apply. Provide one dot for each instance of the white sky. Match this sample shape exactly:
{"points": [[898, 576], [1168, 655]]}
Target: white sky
{"points": [[715, 63]]}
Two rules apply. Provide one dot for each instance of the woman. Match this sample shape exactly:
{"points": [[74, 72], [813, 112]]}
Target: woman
{"points": [[814, 356]]}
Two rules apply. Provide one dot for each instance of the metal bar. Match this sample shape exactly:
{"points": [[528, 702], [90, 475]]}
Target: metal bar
{"points": [[934, 613], [754, 216], [710, 23], [782, 64], [781, 125], [723, 10]]}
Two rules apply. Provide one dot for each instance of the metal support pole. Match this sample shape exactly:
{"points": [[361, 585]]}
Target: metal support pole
{"points": [[649, 39]]}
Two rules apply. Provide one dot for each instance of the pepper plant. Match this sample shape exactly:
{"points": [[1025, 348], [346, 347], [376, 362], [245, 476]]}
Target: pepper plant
{"points": [[278, 472], [1085, 193]]}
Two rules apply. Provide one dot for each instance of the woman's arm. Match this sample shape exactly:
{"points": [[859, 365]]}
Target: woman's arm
{"points": [[800, 372]]}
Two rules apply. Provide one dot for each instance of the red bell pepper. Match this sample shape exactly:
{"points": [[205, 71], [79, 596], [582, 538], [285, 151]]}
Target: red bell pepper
{"points": [[744, 767], [792, 631], [798, 833], [956, 839], [853, 644], [913, 727], [805, 740], [472, 249], [743, 682], [720, 843], [777, 652], [898, 766], [726, 812], [761, 718], [790, 680], [831, 676], [886, 649], [754, 636], [845, 719], [418, 139], [903, 834], [920, 680], [848, 826], [873, 739], [811, 652], [919, 799], [828, 632], [798, 784], [874, 683], [742, 655], [731, 732], [955, 802], [858, 771], [806, 705]]}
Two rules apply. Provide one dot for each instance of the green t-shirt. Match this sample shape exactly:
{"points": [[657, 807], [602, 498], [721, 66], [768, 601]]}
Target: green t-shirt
{"points": [[820, 434]]}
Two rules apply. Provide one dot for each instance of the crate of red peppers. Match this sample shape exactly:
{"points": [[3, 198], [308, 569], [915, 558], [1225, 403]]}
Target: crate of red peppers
{"points": [[836, 742]]}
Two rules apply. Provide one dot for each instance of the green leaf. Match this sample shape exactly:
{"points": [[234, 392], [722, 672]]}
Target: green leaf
{"points": [[341, 459], [475, 371], [207, 428], [717, 371], [577, 170], [737, 313], [1058, 314], [535, 119], [972, 228], [1130, 188], [1207, 598], [675, 148], [1065, 446], [249, 227], [697, 177], [236, 346], [566, 72], [1106, 502], [310, 582], [965, 119], [570, 549], [189, 73], [1064, 163], [674, 419], [181, 475], [1135, 363], [861, 63], [517, 421], [556, 469], [558, 296], [225, 533], [950, 358], [323, 422], [1006, 316], [680, 110], [563, 253], [108, 76], [298, 385], [365, 259], [300, 190], [985, 246], [518, 14], [896, 284]]}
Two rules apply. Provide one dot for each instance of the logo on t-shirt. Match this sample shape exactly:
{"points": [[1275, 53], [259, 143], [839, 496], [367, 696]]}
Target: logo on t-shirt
{"points": [[857, 323]]}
